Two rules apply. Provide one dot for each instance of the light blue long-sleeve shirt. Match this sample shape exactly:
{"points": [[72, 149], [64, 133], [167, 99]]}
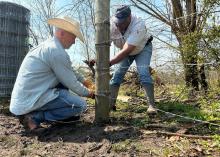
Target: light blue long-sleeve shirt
{"points": [[41, 70]]}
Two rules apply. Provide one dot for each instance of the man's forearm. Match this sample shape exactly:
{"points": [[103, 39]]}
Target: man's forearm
{"points": [[118, 58], [127, 49]]}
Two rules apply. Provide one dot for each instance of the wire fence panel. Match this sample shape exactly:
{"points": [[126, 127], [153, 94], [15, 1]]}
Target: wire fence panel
{"points": [[14, 28]]}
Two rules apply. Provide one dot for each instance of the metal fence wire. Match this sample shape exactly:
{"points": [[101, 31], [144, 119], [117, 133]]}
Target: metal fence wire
{"points": [[14, 25]]}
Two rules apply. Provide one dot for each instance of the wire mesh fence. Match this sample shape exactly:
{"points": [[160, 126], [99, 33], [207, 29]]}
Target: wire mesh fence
{"points": [[14, 24]]}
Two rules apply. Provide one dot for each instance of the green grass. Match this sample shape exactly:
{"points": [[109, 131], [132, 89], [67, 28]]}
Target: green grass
{"points": [[182, 109], [129, 145], [90, 102], [217, 141], [134, 115], [211, 109], [140, 122], [211, 145], [205, 108]]}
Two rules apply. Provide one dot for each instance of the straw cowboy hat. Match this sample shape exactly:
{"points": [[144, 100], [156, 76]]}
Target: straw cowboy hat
{"points": [[67, 24]]}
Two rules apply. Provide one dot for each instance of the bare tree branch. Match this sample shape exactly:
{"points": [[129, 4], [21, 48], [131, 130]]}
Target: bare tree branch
{"points": [[151, 12]]}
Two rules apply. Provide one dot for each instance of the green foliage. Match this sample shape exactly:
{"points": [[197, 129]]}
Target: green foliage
{"points": [[210, 46], [217, 140], [190, 41], [91, 102], [180, 92], [211, 3], [204, 43], [210, 109], [212, 145]]}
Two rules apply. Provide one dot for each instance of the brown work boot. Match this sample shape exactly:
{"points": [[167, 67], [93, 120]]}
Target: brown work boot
{"points": [[28, 122], [151, 110], [69, 120]]}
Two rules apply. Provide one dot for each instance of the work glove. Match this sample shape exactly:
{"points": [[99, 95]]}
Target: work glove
{"points": [[92, 62], [88, 84], [91, 94]]}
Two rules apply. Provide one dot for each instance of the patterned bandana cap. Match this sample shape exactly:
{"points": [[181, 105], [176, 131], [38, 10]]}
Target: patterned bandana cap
{"points": [[121, 14]]}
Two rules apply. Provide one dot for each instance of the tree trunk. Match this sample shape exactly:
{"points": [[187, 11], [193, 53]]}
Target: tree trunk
{"points": [[218, 72], [191, 73], [204, 83], [187, 26], [189, 59]]}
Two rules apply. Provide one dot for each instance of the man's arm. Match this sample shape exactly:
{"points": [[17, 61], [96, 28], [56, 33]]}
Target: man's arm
{"points": [[61, 67], [79, 77], [124, 52]]}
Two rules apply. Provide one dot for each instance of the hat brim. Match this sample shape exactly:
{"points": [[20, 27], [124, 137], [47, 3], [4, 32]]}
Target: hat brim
{"points": [[67, 26]]}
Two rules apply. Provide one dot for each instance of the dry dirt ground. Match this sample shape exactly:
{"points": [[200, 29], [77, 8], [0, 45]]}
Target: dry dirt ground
{"points": [[84, 138]]}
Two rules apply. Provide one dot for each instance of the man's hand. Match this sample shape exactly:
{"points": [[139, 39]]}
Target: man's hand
{"points": [[92, 62], [91, 94], [88, 84], [124, 52]]}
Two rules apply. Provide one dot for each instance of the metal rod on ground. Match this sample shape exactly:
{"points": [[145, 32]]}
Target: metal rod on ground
{"points": [[102, 60]]}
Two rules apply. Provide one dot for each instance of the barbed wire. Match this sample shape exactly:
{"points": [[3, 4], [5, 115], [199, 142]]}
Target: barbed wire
{"points": [[166, 112], [147, 66], [177, 115], [192, 14], [160, 110], [188, 118], [181, 116], [122, 36], [134, 68]]}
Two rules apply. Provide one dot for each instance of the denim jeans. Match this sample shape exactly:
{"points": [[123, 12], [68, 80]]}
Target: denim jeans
{"points": [[64, 106], [142, 61]]}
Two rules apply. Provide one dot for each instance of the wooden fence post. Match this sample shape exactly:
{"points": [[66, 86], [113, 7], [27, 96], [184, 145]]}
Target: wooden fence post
{"points": [[102, 76]]}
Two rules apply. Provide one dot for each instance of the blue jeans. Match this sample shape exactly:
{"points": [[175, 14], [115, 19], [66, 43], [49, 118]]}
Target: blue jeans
{"points": [[142, 61], [64, 106]]}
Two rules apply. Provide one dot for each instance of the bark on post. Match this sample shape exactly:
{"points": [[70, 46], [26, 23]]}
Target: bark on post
{"points": [[102, 59]]}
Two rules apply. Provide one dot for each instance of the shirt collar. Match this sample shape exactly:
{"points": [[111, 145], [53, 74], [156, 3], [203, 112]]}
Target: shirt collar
{"points": [[57, 41]]}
